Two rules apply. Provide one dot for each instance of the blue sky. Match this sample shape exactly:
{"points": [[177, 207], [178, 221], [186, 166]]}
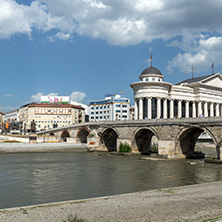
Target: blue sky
{"points": [[88, 48]]}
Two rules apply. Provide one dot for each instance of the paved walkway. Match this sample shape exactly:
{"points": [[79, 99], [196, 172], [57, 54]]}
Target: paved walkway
{"points": [[189, 203], [42, 147]]}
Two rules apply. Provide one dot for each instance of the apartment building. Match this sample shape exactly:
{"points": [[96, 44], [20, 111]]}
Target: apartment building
{"points": [[50, 115], [113, 107]]}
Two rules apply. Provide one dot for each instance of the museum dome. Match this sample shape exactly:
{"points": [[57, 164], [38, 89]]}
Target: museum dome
{"points": [[151, 72]]}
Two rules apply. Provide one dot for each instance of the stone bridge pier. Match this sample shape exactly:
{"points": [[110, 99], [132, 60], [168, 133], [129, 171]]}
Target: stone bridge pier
{"points": [[174, 139]]}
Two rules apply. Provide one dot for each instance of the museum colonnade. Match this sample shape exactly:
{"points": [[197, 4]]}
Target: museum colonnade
{"points": [[151, 108]]}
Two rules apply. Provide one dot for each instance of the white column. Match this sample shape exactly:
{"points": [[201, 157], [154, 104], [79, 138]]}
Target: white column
{"points": [[158, 108], [179, 109], [217, 110], [194, 112], [140, 109], [171, 108], [165, 108], [199, 109], [149, 116], [187, 113], [136, 110], [211, 110], [205, 109]]}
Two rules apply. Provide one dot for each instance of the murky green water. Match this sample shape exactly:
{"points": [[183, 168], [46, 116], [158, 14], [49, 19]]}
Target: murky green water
{"points": [[27, 179]]}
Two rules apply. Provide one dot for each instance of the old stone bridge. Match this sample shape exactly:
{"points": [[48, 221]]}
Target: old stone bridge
{"points": [[176, 138]]}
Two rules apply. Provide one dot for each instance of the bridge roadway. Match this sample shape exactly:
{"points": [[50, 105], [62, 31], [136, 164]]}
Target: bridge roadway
{"points": [[176, 138]]}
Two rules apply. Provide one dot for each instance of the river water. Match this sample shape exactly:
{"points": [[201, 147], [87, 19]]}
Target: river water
{"points": [[27, 179]]}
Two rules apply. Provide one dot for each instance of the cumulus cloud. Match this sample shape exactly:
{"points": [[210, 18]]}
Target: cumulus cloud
{"points": [[202, 55], [122, 23], [77, 96], [37, 97], [119, 22]]}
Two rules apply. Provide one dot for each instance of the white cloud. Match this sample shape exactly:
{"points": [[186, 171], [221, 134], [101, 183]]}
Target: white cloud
{"points": [[9, 95], [119, 22], [77, 96], [124, 22], [37, 97], [201, 55], [61, 36]]}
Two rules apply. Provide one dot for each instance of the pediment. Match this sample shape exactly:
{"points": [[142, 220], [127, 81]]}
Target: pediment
{"points": [[214, 80]]}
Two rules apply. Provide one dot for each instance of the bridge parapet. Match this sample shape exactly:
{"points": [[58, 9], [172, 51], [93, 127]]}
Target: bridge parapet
{"points": [[176, 137]]}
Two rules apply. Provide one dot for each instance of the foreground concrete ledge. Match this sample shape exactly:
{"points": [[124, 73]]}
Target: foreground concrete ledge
{"points": [[188, 203], [41, 147]]}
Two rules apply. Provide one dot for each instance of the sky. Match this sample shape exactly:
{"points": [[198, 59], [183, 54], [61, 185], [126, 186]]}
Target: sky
{"points": [[88, 48]]}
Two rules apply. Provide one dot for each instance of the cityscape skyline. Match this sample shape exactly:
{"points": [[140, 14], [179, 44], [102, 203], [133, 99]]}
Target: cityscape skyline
{"points": [[86, 49]]}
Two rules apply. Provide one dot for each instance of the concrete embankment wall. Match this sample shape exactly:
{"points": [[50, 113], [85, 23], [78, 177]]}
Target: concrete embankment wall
{"points": [[41, 147]]}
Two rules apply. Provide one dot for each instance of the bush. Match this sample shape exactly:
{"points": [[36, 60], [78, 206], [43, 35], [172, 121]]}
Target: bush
{"points": [[124, 147], [75, 218], [154, 147]]}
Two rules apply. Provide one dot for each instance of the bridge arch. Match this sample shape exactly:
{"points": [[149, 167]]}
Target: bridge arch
{"points": [[109, 139], [82, 135], [187, 138], [142, 140], [64, 135]]}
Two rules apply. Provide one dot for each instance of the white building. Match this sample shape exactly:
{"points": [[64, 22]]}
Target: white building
{"points": [[12, 116], [195, 97], [113, 107]]}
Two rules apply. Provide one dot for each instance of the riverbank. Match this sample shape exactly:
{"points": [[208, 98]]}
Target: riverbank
{"points": [[187, 203], [42, 147]]}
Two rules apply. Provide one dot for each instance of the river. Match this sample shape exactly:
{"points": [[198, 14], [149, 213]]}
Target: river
{"points": [[27, 179]]}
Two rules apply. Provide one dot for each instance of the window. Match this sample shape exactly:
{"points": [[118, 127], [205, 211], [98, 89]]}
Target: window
{"points": [[104, 107], [117, 111], [153, 79], [92, 113], [117, 105], [124, 105], [100, 107], [159, 80], [97, 112], [100, 112], [97, 107], [147, 80], [92, 107]]}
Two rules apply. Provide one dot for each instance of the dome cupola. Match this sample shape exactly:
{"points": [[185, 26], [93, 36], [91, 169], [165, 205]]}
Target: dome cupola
{"points": [[151, 74]]}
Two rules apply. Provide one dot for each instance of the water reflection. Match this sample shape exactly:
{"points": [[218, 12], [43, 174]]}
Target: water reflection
{"points": [[40, 178]]}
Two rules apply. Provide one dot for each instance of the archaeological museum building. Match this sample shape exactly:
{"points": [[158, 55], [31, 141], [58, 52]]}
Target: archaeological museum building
{"points": [[194, 97]]}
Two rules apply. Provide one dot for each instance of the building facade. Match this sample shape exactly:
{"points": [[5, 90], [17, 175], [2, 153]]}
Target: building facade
{"points": [[1, 120], [12, 116], [195, 97], [48, 116], [113, 107]]}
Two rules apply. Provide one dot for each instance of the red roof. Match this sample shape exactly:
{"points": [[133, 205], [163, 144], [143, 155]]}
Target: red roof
{"points": [[55, 105]]}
